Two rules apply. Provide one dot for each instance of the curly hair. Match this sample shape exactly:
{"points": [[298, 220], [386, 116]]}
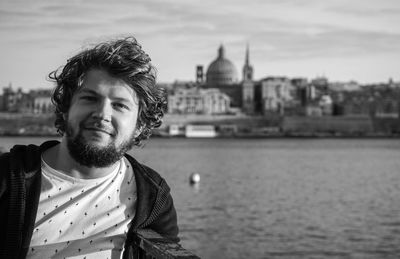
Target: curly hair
{"points": [[121, 58]]}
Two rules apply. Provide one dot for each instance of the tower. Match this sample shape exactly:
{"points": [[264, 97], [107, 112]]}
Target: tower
{"points": [[199, 74], [247, 68], [248, 86]]}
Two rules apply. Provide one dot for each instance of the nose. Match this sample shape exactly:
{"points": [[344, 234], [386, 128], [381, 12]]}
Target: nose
{"points": [[103, 111]]}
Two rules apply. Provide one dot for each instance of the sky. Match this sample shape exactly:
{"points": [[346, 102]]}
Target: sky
{"points": [[342, 40]]}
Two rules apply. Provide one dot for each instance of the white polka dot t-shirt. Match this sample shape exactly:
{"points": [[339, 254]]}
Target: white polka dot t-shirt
{"points": [[83, 218]]}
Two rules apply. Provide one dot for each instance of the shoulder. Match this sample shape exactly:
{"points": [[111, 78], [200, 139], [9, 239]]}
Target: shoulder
{"points": [[22, 161], [4, 159], [143, 172], [4, 168], [26, 157], [4, 163]]}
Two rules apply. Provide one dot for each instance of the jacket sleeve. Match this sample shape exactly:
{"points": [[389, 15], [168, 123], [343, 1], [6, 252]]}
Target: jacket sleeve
{"points": [[4, 196], [155, 208], [166, 222], [3, 172]]}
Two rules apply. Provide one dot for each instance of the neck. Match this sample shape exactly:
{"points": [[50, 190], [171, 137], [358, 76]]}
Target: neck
{"points": [[58, 157]]}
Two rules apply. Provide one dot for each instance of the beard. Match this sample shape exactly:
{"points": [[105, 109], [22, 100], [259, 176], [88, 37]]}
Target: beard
{"points": [[90, 155]]}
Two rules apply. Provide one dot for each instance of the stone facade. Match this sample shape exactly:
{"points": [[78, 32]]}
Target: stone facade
{"points": [[35, 101], [198, 101]]}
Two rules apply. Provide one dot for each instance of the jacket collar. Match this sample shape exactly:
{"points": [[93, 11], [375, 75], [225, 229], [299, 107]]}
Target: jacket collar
{"points": [[29, 157]]}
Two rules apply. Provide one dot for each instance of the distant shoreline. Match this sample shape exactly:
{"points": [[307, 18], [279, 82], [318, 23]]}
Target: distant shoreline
{"points": [[245, 136], [229, 127]]}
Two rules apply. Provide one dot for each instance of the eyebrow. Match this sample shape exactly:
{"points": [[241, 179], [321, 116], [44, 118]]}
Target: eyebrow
{"points": [[89, 91]]}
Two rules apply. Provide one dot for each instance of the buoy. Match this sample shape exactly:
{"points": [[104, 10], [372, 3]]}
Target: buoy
{"points": [[194, 178]]}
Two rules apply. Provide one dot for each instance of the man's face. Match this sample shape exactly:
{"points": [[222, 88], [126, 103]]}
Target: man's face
{"points": [[101, 121]]}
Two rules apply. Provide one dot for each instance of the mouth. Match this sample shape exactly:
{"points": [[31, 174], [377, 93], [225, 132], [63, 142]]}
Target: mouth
{"points": [[101, 130]]}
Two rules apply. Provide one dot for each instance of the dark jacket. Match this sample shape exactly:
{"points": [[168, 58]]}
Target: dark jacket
{"points": [[20, 184]]}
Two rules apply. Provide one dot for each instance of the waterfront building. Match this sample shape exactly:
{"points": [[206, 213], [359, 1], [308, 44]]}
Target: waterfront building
{"points": [[302, 91], [221, 71], [42, 105], [222, 74], [247, 68], [39, 102], [275, 94], [343, 86], [248, 93], [248, 97], [36, 101], [266, 96], [199, 74], [179, 85], [198, 101], [321, 84], [280, 95], [25, 104], [322, 106], [313, 109], [326, 105], [12, 99]]}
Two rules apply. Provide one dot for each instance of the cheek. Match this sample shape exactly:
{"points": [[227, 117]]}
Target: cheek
{"points": [[78, 113], [74, 119], [128, 126]]}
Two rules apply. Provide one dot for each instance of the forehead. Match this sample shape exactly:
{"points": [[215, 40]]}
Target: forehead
{"points": [[100, 82]]}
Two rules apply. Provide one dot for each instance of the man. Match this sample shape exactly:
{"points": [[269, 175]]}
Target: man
{"points": [[84, 197]]}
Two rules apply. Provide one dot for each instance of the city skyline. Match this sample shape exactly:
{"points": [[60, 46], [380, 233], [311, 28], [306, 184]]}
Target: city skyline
{"points": [[342, 40]]}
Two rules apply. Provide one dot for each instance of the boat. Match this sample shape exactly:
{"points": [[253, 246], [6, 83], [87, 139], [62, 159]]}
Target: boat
{"points": [[200, 131]]}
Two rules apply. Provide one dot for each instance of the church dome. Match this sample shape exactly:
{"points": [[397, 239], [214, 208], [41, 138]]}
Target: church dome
{"points": [[221, 71]]}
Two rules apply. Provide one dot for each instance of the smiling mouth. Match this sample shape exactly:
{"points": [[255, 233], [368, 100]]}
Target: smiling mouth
{"points": [[98, 130]]}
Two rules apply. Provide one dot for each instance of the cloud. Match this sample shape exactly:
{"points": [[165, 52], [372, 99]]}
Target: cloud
{"points": [[13, 15], [332, 42], [71, 25], [189, 32], [367, 9], [15, 19]]}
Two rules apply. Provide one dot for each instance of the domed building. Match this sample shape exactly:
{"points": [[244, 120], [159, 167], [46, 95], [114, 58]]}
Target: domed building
{"points": [[222, 75], [221, 71]]}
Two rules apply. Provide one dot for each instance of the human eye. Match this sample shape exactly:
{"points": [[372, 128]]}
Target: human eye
{"points": [[121, 106], [89, 98]]}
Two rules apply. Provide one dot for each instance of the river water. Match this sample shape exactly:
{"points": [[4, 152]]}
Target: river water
{"points": [[281, 198]]}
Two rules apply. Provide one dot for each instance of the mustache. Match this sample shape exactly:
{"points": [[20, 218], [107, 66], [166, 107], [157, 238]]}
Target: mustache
{"points": [[98, 125]]}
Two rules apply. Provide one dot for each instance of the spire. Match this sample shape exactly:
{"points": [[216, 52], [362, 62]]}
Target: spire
{"points": [[221, 52], [247, 68], [247, 63]]}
